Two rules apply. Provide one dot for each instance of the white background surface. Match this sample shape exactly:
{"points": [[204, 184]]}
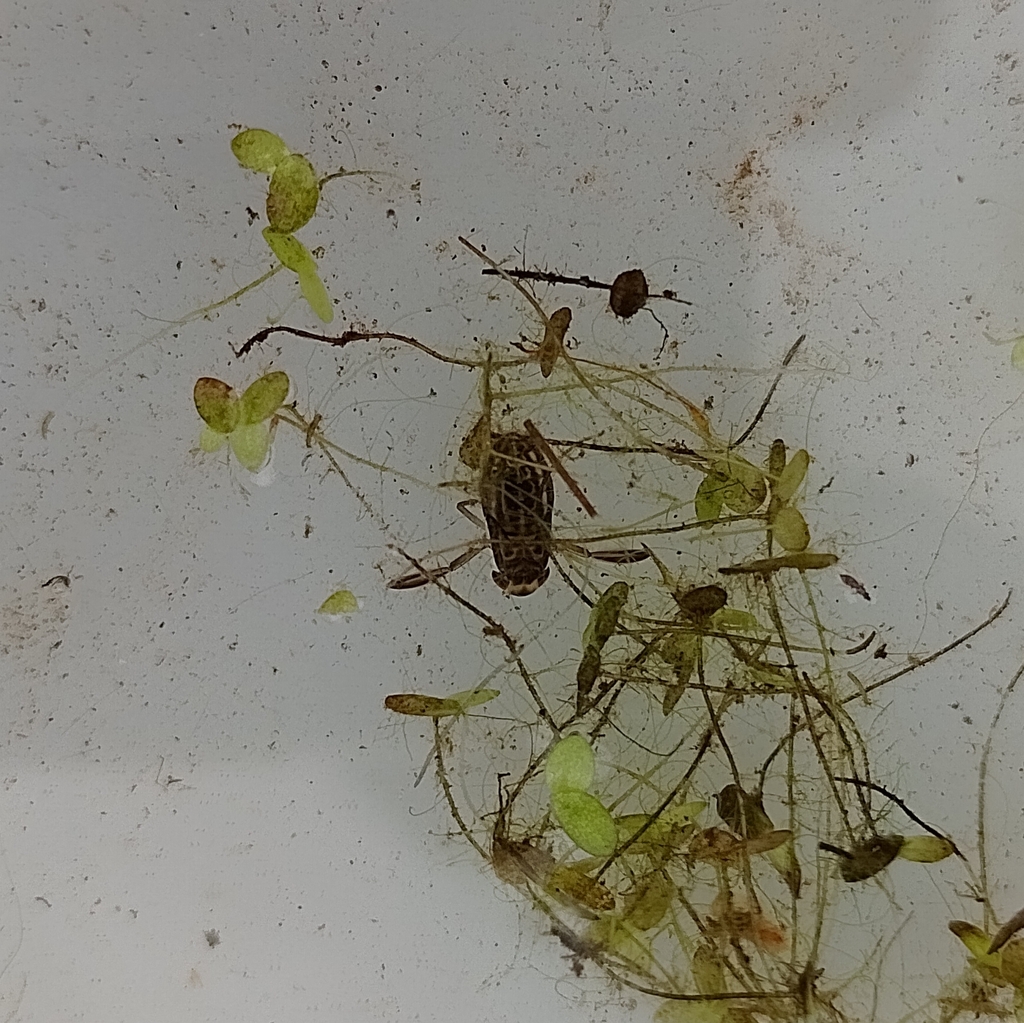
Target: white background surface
{"points": [[882, 216]]}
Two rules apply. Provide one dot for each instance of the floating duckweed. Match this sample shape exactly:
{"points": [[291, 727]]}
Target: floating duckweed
{"points": [[263, 397], [709, 499], [1017, 354], [744, 489], [1011, 962], [926, 849], [259, 150], [293, 194], [790, 478], [585, 820], [570, 764], [241, 422], [340, 602], [297, 258], [216, 404], [790, 529]]}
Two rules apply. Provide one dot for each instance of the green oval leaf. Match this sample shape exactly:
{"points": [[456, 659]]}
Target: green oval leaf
{"points": [[585, 820], [258, 150], [340, 602], [314, 292], [263, 397], [474, 697], [293, 194], [290, 251], [925, 849], [1017, 355], [708, 501], [211, 440], [250, 444], [745, 489], [792, 476], [216, 404], [790, 529], [570, 764]]}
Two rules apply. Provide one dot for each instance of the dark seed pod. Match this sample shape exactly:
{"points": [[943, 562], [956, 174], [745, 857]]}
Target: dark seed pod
{"points": [[629, 293], [702, 601], [866, 858]]}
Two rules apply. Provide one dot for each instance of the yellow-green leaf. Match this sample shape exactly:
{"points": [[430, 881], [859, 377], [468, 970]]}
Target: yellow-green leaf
{"points": [[790, 529], [745, 489], [216, 404], [474, 697], [585, 820], [708, 501], [570, 764], [1017, 354], [263, 397], [210, 440], [250, 444], [926, 849], [792, 476], [258, 150], [340, 602], [731, 619], [293, 194], [692, 1012], [976, 941], [290, 251], [314, 292]]}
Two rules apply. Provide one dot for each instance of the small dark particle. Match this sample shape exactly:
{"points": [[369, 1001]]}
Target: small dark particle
{"points": [[856, 585], [881, 653], [212, 937], [65, 579], [253, 215]]}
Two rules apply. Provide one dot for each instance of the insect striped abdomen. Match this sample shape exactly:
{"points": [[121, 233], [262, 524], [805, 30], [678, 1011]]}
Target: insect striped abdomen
{"points": [[517, 496]]}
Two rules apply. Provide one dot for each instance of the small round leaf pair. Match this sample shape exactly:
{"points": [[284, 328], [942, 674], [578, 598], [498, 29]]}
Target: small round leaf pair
{"points": [[243, 422], [569, 772]]}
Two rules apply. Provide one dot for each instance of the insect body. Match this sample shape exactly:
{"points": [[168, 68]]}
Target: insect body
{"points": [[517, 497]]}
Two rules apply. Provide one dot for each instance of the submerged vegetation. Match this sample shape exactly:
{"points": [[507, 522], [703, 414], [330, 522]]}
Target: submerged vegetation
{"points": [[684, 787]]}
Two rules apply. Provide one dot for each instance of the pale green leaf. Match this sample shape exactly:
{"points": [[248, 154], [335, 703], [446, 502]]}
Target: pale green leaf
{"points": [[293, 194], [925, 849], [290, 251], [211, 440], [570, 764], [216, 404], [745, 489], [708, 501], [314, 292], [585, 820], [1017, 354], [792, 476], [250, 444], [692, 1012], [474, 697], [789, 529], [340, 602], [258, 150], [263, 397], [731, 619]]}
